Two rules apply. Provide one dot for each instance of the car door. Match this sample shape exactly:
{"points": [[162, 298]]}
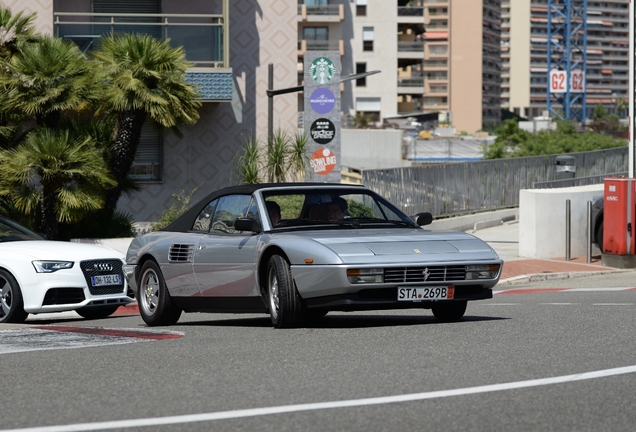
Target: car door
{"points": [[225, 259]]}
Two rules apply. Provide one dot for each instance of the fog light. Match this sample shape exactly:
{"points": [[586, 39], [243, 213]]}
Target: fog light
{"points": [[367, 275]]}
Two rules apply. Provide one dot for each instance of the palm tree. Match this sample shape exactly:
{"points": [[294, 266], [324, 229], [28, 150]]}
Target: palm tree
{"points": [[55, 173], [45, 80], [15, 31], [145, 78]]}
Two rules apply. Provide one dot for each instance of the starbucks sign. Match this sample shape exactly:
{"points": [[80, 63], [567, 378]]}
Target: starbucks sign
{"points": [[322, 70]]}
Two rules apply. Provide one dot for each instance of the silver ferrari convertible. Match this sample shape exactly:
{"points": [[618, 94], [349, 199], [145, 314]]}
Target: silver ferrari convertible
{"points": [[300, 250]]}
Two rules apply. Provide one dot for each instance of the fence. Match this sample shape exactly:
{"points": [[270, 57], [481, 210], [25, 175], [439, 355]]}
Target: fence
{"points": [[460, 188]]}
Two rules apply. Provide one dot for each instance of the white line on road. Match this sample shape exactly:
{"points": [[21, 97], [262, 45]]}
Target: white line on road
{"points": [[254, 412]]}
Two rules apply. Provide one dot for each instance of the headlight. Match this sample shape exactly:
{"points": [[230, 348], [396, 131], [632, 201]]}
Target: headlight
{"points": [[51, 266], [482, 271], [368, 275]]}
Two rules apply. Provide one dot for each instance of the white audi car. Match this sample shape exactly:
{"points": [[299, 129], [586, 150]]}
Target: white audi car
{"points": [[38, 276]]}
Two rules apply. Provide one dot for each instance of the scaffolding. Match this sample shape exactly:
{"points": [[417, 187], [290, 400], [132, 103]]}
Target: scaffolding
{"points": [[567, 58]]}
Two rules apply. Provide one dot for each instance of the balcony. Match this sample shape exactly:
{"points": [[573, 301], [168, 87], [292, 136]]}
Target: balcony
{"points": [[410, 14], [203, 37], [320, 13], [320, 45]]}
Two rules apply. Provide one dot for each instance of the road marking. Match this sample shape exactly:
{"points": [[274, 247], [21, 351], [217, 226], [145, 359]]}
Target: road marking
{"points": [[498, 304], [558, 304], [613, 304], [551, 290], [38, 338], [255, 412]]}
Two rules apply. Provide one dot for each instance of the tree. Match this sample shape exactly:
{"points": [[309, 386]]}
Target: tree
{"points": [[15, 31], [143, 78], [55, 173], [509, 136], [44, 81], [621, 106]]}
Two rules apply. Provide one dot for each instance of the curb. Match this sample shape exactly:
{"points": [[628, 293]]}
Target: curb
{"points": [[538, 277]]}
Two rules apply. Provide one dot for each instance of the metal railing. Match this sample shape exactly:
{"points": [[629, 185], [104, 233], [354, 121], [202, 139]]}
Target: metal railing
{"points": [[323, 10], [411, 82], [411, 46], [202, 36], [451, 189], [414, 11]]}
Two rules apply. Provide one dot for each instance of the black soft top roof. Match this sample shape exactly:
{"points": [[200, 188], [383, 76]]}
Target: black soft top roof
{"points": [[184, 222]]}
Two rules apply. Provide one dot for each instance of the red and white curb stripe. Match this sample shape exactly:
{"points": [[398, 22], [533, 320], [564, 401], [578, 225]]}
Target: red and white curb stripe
{"points": [[551, 290], [38, 338]]}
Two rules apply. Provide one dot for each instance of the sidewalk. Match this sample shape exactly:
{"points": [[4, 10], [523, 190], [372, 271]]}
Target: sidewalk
{"points": [[504, 239]]}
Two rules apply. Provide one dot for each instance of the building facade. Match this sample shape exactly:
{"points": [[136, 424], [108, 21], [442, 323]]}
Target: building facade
{"points": [[524, 55], [231, 46]]}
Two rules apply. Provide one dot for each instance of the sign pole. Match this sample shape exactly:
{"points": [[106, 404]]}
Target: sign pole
{"points": [[631, 89]]}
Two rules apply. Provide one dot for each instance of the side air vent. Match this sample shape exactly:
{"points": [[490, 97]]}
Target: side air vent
{"points": [[181, 253]]}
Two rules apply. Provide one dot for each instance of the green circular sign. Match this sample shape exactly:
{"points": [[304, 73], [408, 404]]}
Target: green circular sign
{"points": [[322, 70]]}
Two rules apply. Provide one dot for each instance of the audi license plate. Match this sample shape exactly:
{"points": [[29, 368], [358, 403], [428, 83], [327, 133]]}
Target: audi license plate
{"points": [[426, 293], [114, 279]]}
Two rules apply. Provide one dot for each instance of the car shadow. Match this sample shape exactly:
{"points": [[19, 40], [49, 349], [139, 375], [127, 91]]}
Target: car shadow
{"points": [[338, 321]]}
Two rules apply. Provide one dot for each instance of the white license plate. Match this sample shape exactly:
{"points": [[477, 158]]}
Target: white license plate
{"points": [[114, 279], [426, 293]]}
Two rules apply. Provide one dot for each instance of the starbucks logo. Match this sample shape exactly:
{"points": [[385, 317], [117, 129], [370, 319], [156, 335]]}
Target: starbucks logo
{"points": [[322, 70]]}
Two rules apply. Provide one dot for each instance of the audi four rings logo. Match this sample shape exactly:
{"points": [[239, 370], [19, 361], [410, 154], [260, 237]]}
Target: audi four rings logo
{"points": [[426, 273], [102, 267]]}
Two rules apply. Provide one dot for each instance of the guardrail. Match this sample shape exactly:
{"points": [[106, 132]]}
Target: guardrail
{"points": [[451, 189]]}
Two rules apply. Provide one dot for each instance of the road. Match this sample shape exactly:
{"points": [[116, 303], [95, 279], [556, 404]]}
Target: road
{"points": [[554, 355]]}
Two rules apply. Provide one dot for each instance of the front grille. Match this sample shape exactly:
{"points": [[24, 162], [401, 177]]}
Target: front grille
{"points": [[102, 268], [56, 296], [424, 274]]}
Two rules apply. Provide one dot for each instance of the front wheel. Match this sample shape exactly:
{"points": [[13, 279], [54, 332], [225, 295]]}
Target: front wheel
{"points": [[11, 302], [285, 308], [450, 311], [96, 312], [155, 304]]}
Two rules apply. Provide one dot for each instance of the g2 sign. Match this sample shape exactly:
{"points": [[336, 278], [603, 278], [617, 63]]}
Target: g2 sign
{"points": [[558, 81]]}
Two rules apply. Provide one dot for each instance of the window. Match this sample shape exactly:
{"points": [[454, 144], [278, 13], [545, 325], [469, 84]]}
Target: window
{"points": [[317, 38], [229, 209], [147, 164], [361, 7], [367, 39], [202, 222], [361, 68]]}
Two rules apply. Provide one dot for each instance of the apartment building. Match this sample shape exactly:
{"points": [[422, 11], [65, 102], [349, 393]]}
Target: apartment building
{"points": [[462, 62], [524, 55], [371, 35], [231, 44]]}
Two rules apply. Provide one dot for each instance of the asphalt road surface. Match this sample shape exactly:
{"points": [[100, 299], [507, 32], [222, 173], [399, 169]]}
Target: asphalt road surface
{"points": [[545, 356]]}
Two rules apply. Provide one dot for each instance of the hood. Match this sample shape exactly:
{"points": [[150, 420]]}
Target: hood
{"points": [[58, 250], [409, 245]]}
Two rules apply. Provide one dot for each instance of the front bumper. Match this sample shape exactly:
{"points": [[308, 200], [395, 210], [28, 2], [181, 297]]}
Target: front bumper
{"points": [[129, 274]]}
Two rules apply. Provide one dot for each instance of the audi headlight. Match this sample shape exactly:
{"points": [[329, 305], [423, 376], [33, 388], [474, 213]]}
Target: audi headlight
{"points": [[51, 266], [482, 271], [367, 275]]}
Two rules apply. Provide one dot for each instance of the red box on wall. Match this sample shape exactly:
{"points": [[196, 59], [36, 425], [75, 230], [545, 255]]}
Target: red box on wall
{"points": [[618, 219]]}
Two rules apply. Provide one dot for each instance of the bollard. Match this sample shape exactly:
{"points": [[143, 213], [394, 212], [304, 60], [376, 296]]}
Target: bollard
{"points": [[589, 232], [567, 230]]}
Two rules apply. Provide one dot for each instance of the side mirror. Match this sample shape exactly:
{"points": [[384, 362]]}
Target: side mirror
{"points": [[247, 224], [424, 218]]}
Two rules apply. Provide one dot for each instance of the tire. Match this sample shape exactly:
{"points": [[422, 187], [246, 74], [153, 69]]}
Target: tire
{"points": [[599, 237], [11, 301], [155, 304], [283, 301], [450, 311], [96, 312]]}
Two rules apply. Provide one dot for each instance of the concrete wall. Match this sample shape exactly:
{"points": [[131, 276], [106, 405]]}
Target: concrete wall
{"points": [[542, 221], [372, 148]]}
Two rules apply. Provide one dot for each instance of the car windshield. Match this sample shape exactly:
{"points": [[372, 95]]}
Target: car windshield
{"points": [[350, 208], [11, 231]]}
